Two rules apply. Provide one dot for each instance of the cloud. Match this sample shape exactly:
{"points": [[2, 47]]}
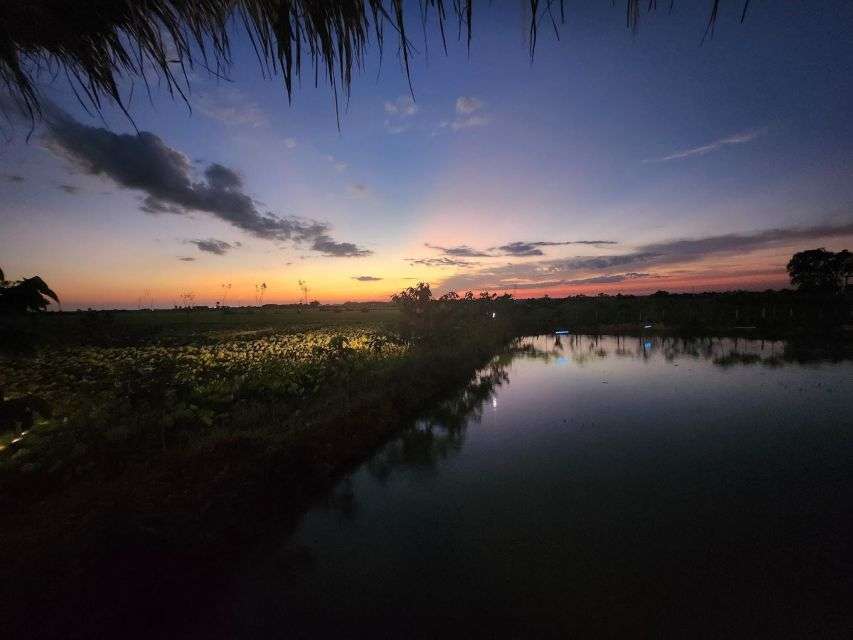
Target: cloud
{"points": [[338, 165], [471, 121], [166, 177], [514, 249], [10, 177], [69, 188], [521, 249], [358, 190], [466, 114], [593, 269], [328, 247], [187, 259], [230, 106], [290, 143], [614, 278], [404, 107], [460, 251], [466, 105], [735, 243], [738, 138], [366, 278], [400, 113], [440, 262], [216, 247]]}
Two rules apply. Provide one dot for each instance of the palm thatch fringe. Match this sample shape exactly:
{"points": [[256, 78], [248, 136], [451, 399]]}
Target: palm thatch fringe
{"points": [[97, 42]]}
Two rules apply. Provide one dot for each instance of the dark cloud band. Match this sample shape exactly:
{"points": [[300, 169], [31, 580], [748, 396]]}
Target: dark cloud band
{"points": [[145, 163]]}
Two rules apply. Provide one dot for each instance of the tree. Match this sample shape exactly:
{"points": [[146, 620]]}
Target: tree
{"points": [[97, 43], [28, 294], [414, 300], [820, 270]]}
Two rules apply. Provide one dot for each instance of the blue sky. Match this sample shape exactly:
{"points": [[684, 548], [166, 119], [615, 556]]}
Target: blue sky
{"points": [[638, 140]]}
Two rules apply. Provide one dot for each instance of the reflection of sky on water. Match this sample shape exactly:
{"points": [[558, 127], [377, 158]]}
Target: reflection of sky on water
{"points": [[536, 471]]}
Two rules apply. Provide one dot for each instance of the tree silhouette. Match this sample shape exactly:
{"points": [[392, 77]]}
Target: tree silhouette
{"points": [[98, 42], [820, 270], [28, 294], [414, 300]]}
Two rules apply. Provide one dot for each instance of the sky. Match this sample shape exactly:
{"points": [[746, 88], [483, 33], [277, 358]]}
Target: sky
{"points": [[613, 162]]}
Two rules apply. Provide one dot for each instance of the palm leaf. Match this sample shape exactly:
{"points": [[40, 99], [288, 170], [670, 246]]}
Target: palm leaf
{"points": [[41, 287], [96, 43]]}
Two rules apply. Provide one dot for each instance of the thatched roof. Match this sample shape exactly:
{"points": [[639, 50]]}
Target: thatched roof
{"points": [[94, 43]]}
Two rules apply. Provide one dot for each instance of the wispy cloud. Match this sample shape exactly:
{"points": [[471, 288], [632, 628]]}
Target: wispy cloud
{"points": [[738, 138], [541, 274], [212, 245], [358, 190], [521, 249], [399, 114], [69, 188], [443, 261], [230, 106], [9, 177], [290, 143], [187, 259], [339, 166], [462, 251], [366, 278], [403, 106], [466, 105], [518, 249], [469, 113]]}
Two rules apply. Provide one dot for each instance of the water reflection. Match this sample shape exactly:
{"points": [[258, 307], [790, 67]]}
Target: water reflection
{"points": [[441, 432], [725, 352], [705, 470]]}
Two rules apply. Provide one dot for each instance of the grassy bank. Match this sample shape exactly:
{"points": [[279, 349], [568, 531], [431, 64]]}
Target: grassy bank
{"points": [[164, 456]]}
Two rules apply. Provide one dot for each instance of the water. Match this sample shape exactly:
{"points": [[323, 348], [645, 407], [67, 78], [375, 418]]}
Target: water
{"points": [[608, 486]]}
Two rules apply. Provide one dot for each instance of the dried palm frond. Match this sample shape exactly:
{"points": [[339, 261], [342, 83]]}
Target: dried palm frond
{"points": [[97, 42]]}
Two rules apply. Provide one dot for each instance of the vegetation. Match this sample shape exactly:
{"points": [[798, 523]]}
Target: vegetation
{"points": [[96, 44], [819, 270], [28, 294], [105, 391]]}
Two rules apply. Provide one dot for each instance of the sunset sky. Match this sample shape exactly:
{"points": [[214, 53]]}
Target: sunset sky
{"points": [[614, 162]]}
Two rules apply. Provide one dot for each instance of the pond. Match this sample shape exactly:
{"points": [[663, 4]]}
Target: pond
{"points": [[601, 485]]}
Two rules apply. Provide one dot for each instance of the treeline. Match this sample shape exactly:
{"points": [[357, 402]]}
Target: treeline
{"points": [[782, 311]]}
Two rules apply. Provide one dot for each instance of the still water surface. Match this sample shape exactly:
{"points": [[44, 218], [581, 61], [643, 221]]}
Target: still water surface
{"points": [[611, 486]]}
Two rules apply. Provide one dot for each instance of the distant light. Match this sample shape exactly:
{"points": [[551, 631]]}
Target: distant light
{"points": [[647, 345], [648, 326], [493, 315], [16, 440], [494, 403]]}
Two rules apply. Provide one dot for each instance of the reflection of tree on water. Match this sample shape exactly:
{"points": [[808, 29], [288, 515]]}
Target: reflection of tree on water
{"points": [[582, 349], [441, 432]]}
